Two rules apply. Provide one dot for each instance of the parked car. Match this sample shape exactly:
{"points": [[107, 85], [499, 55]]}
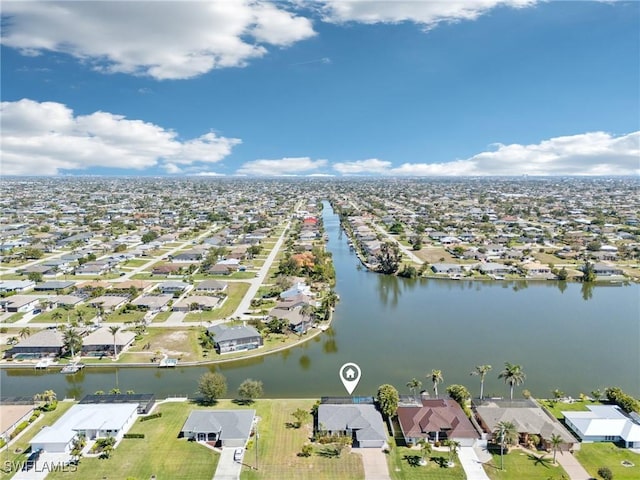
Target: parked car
{"points": [[238, 454]]}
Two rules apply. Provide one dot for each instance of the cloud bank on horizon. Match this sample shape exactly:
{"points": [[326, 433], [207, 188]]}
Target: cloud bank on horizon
{"points": [[46, 137], [170, 42]]}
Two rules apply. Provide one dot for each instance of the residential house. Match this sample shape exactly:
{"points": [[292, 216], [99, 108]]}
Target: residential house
{"points": [[606, 270], [20, 303], [174, 287], [211, 286], [227, 428], [152, 303], [16, 285], [202, 302], [54, 285], [362, 422], [101, 342], [145, 401], [436, 420], [528, 418], [91, 421], [448, 268], [235, 339], [45, 343], [605, 423], [109, 303]]}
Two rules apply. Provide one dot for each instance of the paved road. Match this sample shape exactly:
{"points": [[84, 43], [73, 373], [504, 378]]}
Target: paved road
{"points": [[374, 461], [228, 468], [47, 463], [245, 303], [471, 464], [403, 249]]}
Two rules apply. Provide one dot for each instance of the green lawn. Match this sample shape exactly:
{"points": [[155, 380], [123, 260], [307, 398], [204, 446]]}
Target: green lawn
{"points": [[556, 408], [403, 466], [122, 317], [279, 445], [162, 316], [49, 418], [47, 317], [235, 292], [521, 465], [15, 317], [160, 453], [592, 456]]}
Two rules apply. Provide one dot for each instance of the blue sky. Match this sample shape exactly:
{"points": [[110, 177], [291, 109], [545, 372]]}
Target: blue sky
{"points": [[416, 88]]}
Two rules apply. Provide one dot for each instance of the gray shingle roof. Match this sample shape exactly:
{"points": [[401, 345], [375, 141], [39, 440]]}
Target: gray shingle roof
{"points": [[228, 424], [365, 419], [223, 333]]}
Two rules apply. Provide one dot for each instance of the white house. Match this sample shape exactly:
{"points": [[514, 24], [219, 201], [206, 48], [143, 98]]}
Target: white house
{"points": [[89, 420], [605, 423]]}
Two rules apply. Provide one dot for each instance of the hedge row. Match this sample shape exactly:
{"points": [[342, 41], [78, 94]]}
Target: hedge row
{"points": [[150, 417], [133, 435]]}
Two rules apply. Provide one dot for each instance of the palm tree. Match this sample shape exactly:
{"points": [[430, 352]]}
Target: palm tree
{"points": [[513, 375], [555, 441], [114, 329], [72, 340], [57, 316], [425, 449], [47, 396], [508, 434], [436, 378], [481, 370], [453, 449], [25, 332], [414, 385]]}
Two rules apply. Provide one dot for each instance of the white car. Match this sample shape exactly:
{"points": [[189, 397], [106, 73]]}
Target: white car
{"points": [[238, 454]]}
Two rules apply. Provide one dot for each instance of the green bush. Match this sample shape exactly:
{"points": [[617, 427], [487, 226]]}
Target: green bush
{"points": [[151, 417], [133, 435], [605, 473]]}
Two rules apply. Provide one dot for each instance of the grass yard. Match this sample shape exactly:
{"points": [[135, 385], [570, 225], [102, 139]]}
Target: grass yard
{"points": [[47, 317], [235, 292], [556, 408], [162, 317], [279, 445], [160, 453], [15, 317], [435, 255], [175, 342], [48, 418], [403, 466], [123, 317], [592, 456], [521, 465]]}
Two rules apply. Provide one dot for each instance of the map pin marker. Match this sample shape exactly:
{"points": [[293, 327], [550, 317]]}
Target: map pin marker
{"points": [[350, 375]]}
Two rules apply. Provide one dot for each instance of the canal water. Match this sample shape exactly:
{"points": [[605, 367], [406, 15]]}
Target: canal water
{"points": [[566, 336]]}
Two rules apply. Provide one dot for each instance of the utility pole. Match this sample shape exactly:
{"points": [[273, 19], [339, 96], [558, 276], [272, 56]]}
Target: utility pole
{"points": [[502, 447], [257, 437]]}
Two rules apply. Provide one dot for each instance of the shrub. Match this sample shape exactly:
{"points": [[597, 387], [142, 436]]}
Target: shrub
{"points": [[605, 473], [151, 417], [133, 435], [307, 450]]}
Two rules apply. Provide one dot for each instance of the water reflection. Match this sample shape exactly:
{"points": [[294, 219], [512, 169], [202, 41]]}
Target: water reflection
{"points": [[587, 291], [388, 289], [562, 286], [330, 346], [305, 362]]}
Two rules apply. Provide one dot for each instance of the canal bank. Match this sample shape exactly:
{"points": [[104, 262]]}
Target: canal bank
{"points": [[563, 335]]}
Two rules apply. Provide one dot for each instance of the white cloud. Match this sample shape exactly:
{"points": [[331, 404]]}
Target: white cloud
{"points": [[427, 13], [162, 39], [281, 167], [43, 138], [372, 165], [594, 153]]}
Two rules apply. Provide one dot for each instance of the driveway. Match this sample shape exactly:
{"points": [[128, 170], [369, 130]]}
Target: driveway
{"points": [[227, 469], [471, 464], [571, 466], [374, 461], [47, 463]]}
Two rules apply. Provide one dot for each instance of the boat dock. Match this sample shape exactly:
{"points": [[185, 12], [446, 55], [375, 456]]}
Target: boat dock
{"points": [[72, 368]]}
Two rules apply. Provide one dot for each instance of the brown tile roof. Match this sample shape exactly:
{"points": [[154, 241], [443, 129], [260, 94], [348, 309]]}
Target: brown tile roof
{"points": [[435, 415]]}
